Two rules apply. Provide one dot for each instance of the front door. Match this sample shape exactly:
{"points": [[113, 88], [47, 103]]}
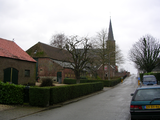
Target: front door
{"points": [[11, 75], [59, 77]]}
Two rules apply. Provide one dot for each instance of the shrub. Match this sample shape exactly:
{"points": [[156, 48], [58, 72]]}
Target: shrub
{"points": [[39, 96], [74, 81], [11, 93], [157, 75], [108, 83], [83, 80], [46, 82], [64, 93], [83, 77], [59, 94], [69, 81], [98, 78]]}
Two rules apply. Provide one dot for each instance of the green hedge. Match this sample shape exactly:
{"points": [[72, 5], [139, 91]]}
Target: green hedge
{"points": [[157, 75], [39, 96], [64, 93], [111, 83], [11, 93], [73, 81], [107, 83], [69, 81], [59, 94], [43, 96], [83, 81]]}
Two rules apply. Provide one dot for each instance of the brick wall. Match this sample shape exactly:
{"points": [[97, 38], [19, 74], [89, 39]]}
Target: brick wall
{"points": [[68, 73], [21, 66], [48, 69], [100, 72]]}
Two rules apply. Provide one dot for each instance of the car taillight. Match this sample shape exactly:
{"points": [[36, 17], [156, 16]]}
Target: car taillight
{"points": [[136, 107]]}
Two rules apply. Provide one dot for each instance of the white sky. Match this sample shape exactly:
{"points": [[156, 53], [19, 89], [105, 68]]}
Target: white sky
{"points": [[31, 21]]}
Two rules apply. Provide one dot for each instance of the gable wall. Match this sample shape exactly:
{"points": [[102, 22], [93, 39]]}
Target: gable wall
{"points": [[100, 72], [68, 73], [48, 69], [21, 66]]}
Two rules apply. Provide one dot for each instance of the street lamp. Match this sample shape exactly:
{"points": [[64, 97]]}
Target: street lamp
{"points": [[109, 65]]}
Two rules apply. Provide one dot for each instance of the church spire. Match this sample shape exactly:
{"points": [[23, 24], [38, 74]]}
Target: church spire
{"points": [[111, 45], [110, 33]]}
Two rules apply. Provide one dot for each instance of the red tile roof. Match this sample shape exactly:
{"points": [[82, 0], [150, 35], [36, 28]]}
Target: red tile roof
{"points": [[10, 49]]}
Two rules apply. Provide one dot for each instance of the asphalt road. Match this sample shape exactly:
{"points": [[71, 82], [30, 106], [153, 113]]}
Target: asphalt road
{"points": [[111, 105]]}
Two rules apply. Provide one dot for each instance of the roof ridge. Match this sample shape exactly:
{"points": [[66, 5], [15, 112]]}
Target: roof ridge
{"points": [[10, 49], [52, 46], [53, 52], [7, 40]]}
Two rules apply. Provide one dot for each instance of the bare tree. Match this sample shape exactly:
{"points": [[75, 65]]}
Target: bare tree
{"points": [[145, 53], [119, 56], [58, 40], [103, 53], [101, 49], [78, 48]]}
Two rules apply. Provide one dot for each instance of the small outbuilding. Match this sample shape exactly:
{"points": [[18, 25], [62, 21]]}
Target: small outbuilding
{"points": [[16, 66]]}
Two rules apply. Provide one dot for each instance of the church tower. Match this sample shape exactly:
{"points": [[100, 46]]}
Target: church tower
{"points": [[111, 45]]}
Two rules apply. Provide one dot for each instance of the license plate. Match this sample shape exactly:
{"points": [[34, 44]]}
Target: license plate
{"points": [[152, 106]]}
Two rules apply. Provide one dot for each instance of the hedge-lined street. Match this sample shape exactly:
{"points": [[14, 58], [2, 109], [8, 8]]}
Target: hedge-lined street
{"points": [[9, 112], [45, 96], [110, 105]]}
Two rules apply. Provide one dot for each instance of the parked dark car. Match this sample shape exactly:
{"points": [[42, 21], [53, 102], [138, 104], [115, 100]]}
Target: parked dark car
{"points": [[145, 103], [149, 80]]}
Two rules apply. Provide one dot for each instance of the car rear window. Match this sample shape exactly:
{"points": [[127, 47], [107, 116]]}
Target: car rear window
{"points": [[147, 94], [149, 79]]}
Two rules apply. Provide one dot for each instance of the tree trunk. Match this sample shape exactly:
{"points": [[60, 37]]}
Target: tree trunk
{"points": [[77, 74]]}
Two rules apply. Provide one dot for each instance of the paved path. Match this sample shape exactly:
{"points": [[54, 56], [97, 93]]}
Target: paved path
{"points": [[6, 107]]}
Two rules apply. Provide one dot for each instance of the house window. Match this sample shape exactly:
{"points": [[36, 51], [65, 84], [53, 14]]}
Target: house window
{"points": [[65, 75], [27, 73]]}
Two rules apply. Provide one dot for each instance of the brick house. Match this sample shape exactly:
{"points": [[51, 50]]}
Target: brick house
{"points": [[52, 62], [113, 70], [16, 66]]}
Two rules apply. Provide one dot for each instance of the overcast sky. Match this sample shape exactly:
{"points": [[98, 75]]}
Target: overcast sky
{"points": [[32, 21]]}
